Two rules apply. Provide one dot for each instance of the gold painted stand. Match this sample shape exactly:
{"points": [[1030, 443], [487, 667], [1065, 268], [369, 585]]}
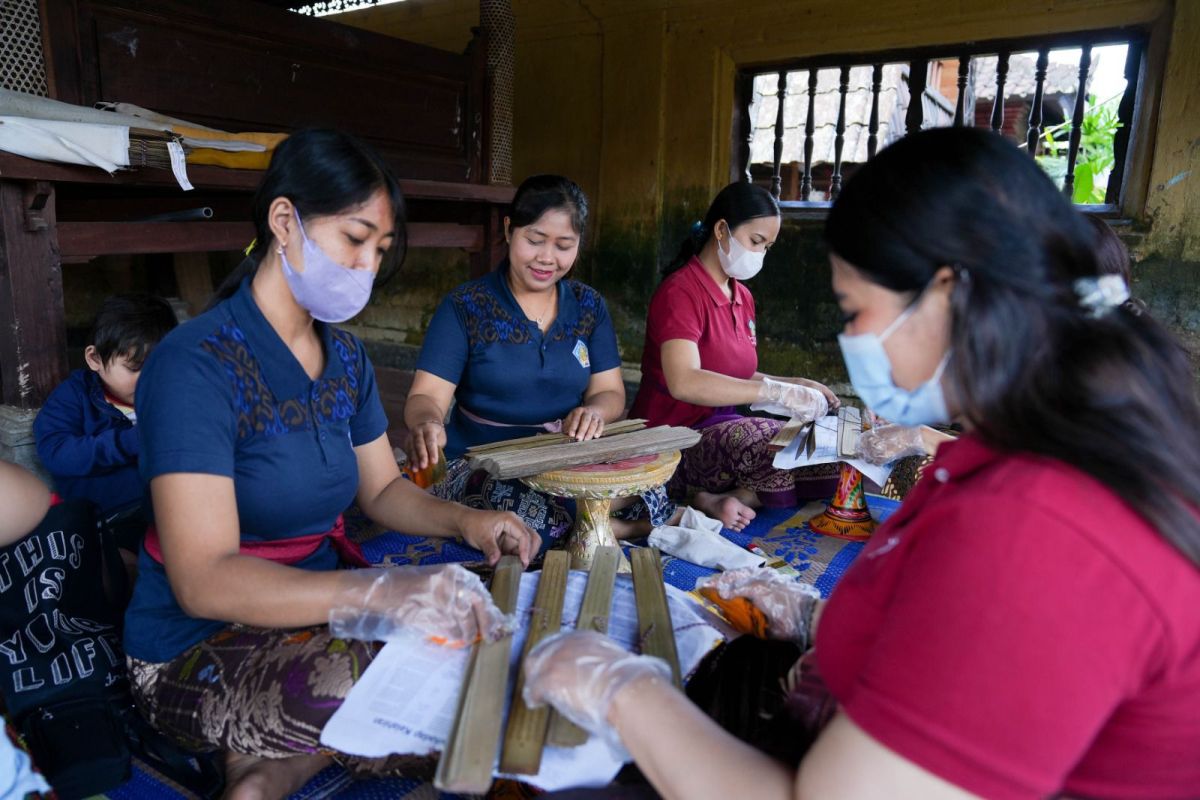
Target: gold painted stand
{"points": [[594, 487]]}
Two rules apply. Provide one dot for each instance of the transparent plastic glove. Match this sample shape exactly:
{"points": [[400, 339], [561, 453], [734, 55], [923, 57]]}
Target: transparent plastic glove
{"points": [[787, 604], [444, 601], [790, 400], [885, 443], [580, 672]]}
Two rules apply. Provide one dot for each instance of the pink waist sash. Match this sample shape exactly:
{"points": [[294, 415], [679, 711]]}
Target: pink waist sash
{"points": [[286, 551]]}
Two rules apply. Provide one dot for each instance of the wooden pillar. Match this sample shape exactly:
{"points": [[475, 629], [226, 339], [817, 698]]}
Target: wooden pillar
{"points": [[33, 335], [493, 249], [194, 279]]}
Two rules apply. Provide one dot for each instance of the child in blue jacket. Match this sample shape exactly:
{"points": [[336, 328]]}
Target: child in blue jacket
{"points": [[85, 432]]}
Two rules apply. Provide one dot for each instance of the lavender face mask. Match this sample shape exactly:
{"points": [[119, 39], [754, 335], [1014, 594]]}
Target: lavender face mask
{"points": [[326, 289]]}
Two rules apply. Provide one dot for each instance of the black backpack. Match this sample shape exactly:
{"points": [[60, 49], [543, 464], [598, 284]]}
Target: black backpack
{"points": [[63, 592]]}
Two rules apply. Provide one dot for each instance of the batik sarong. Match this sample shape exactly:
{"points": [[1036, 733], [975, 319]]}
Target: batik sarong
{"points": [[733, 454]]}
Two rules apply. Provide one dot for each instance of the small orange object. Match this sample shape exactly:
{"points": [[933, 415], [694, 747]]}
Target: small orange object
{"points": [[743, 615], [454, 644], [424, 478]]}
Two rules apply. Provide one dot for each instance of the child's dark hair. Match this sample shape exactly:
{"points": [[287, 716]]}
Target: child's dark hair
{"points": [[323, 172], [130, 325], [736, 203], [1032, 368], [538, 194]]}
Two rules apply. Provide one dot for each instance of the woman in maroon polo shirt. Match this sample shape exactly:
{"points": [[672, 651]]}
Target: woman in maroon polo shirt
{"points": [[1027, 624], [700, 361]]}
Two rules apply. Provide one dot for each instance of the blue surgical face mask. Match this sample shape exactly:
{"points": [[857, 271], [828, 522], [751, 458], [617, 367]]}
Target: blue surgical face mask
{"points": [[326, 289], [871, 375]]}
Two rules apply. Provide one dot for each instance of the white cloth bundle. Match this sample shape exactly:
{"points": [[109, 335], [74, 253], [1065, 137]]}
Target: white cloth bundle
{"points": [[697, 538], [103, 146]]}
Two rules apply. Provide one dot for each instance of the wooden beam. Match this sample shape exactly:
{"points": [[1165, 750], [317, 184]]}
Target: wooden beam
{"points": [[194, 279], [525, 736], [466, 764], [128, 238], [33, 332], [209, 177], [90, 239]]}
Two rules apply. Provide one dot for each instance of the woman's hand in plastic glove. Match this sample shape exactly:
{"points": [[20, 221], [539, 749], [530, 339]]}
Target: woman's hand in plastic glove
{"points": [[799, 400], [444, 601], [788, 605], [885, 443], [580, 672], [832, 399]]}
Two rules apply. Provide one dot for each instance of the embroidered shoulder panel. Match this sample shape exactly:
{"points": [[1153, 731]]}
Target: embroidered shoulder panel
{"points": [[486, 318], [590, 303], [259, 411]]}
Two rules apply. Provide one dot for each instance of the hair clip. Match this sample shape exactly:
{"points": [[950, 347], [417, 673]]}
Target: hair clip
{"points": [[1100, 294], [697, 227], [250, 247]]}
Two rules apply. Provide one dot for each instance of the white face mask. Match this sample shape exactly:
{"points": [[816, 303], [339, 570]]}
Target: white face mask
{"points": [[739, 263]]}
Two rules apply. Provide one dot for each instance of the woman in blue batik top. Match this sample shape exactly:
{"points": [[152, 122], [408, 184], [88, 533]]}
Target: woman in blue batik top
{"points": [[260, 423], [519, 351]]}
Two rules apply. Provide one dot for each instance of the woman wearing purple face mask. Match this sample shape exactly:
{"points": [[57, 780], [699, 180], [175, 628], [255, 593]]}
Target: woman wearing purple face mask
{"points": [[701, 361], [260, 424]]}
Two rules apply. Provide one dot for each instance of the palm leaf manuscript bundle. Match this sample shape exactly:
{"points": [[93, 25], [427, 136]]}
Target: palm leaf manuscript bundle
{"points": [[519, 458]]}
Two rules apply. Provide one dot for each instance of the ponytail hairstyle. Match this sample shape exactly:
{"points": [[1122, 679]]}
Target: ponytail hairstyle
{"points": [[736, 203], [323, 172], [1037, 364]]}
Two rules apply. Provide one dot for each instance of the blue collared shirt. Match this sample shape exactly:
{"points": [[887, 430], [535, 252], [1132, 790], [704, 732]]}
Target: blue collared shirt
{"points": [[223, 395], [505, 369]]}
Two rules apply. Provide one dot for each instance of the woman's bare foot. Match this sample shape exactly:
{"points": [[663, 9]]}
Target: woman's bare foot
{"points": [[630, 528], [730, 508], [254, 778], [639, 528]]}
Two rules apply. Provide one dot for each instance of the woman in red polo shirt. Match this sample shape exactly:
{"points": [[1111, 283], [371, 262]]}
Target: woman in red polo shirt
{"points": [[700, 361], [1027, 624]]}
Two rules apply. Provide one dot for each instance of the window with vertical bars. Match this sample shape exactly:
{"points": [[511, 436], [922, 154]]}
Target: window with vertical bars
{"points": [[802, 128]]}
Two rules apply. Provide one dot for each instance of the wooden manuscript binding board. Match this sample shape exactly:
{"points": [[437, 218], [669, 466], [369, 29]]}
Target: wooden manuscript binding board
{"points": [[593, 616], [525, 735], [466, 763]]}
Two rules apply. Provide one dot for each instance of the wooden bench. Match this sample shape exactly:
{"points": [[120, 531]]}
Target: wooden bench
{"points": [[236, 66]]}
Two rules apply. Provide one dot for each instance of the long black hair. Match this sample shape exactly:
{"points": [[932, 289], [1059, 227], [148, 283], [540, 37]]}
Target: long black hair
{"points": [[323, 172], [1107, 390], [736, 203]]}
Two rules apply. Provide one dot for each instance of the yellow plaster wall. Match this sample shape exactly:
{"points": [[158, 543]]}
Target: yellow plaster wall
{"points": [[1173, 197], [633, 98]]}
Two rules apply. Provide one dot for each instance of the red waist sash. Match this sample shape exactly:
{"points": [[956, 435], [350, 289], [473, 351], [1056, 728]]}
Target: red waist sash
{"points": [[286, 551]]}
